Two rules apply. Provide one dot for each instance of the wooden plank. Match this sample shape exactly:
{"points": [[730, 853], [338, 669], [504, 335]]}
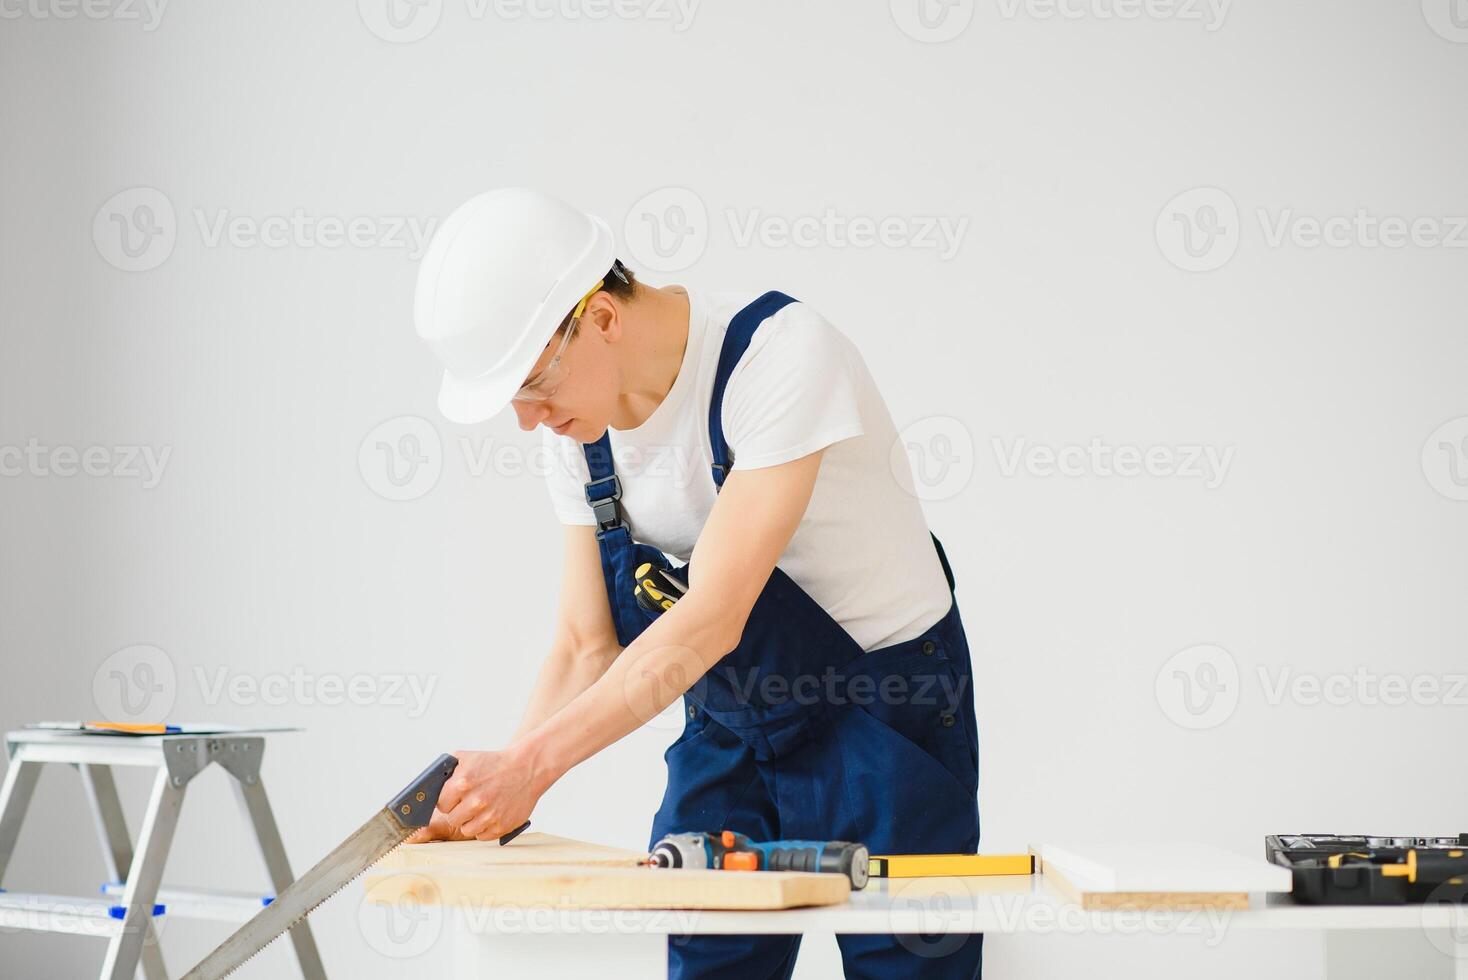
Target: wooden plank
{"points": [[1162, 867], [572, 887], [1157, 876], [1106, 901], [528, 848]]}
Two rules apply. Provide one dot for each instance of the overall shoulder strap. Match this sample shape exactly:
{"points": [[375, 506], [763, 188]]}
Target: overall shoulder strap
{"points": [[603, 490], [736, 340]]}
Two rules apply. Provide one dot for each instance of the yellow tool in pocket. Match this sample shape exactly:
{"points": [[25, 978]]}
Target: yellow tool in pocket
{"points": [[656, 588]]}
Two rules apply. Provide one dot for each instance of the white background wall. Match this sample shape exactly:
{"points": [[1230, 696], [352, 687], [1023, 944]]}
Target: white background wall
{"points": [[1335, 540]]}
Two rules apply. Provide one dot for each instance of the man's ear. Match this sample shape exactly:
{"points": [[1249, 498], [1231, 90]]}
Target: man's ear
{"points": [[604, 315]]}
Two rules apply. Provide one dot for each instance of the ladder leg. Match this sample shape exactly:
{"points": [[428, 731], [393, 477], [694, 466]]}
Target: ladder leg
{"points": [[144, 874], [15, 796], [257, 806], [117, 850]]}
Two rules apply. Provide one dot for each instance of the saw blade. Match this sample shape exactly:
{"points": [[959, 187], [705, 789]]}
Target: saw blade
{"points": [[364, 847]]}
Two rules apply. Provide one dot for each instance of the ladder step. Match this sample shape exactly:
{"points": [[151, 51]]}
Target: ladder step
{"points": [[217, 905], [63, 913]]}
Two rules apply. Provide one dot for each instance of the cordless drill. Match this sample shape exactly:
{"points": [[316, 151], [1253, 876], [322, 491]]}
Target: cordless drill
{"points": [[736, 852]]}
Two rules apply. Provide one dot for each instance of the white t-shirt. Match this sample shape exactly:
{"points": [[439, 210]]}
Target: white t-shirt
{"points": [[862, 550]]}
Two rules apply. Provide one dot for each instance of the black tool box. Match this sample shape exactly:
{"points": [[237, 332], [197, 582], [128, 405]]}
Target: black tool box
{"points": [[1333, 869]]}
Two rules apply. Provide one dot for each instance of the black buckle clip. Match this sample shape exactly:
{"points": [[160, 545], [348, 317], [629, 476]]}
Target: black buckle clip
{"points": [[608, 514]]}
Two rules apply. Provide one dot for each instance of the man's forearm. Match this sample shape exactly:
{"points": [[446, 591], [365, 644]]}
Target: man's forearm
{"points": [[650, 674], [562, 677]]}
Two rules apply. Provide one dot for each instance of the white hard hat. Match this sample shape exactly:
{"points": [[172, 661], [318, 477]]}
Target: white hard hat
{"points": [[499, 276]]}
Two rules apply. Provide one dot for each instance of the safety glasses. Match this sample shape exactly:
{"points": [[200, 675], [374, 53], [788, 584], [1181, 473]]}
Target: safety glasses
{"points": [[543, 383]]}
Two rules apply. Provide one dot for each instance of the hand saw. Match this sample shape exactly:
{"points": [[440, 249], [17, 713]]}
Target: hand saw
{"points": [[388, 828]]}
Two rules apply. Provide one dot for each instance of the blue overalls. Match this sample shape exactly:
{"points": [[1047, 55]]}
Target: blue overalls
{"points": [[799, 733]]}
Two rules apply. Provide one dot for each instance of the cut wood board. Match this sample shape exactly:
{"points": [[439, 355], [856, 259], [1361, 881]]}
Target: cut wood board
{"points": [[529, 848], [1153, 875], [546, 870], [571, 887]]}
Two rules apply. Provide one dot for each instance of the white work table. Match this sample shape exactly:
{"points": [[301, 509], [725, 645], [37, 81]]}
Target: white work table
{"points": [[547, 942]]}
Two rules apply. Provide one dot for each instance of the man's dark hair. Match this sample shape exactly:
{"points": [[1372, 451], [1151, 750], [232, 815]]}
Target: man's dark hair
{"points": [[619, 281]]}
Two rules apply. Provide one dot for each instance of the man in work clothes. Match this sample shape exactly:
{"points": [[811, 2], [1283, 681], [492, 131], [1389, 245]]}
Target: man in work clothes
{"points": [[818, 649]]}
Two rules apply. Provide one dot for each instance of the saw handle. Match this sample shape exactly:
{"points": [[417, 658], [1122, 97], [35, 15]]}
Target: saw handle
{"points": [[414, 805]]}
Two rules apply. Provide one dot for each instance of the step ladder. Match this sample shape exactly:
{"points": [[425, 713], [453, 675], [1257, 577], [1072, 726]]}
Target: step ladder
{"points": [[124, 910]]}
